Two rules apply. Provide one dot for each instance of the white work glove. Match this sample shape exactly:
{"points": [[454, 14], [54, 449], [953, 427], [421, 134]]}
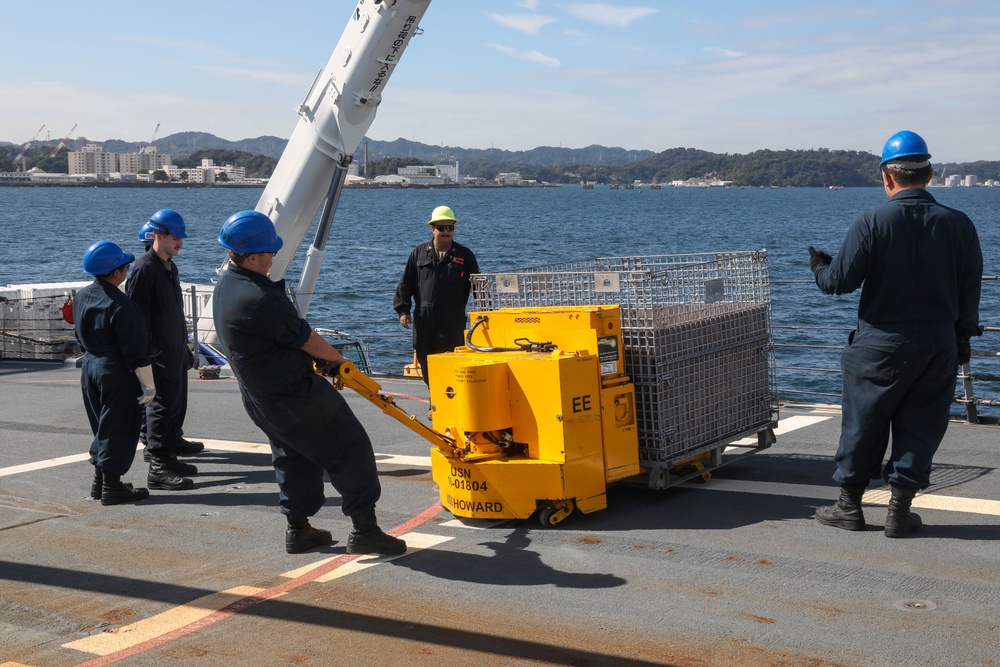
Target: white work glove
{"points": [[145, 375]]}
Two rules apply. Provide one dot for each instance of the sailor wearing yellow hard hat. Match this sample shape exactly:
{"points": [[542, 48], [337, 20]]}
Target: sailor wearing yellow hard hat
{"points": [[436, 283]]}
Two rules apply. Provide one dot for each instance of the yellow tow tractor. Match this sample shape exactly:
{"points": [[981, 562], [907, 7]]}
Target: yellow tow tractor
{"points": [[534, 414]]}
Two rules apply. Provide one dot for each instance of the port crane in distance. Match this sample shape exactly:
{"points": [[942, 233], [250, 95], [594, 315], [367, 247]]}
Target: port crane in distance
{"points": [[156, 130], [62, 144], [24, 149]]}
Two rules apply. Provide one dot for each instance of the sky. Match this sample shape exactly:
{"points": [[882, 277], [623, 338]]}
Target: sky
{"points": [[725, 76]]}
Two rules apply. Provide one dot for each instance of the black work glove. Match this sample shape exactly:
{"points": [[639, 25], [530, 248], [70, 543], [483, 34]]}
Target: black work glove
{"points": [[818, 258], [964, 352]]}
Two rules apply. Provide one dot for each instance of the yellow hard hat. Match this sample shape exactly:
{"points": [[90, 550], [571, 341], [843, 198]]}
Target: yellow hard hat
{"points": [[442, 214]]}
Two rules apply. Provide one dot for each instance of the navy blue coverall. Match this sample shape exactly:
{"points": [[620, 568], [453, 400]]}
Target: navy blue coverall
{"points": [[308, 423], [156, 289], [920, 266], [113, 336], [439, 290]]}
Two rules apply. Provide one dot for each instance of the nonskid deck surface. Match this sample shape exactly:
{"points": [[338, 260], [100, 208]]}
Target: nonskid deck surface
{"points": [[733, 571]]}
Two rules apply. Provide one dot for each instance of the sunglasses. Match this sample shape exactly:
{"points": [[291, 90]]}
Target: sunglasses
{"points": [[444, 228]]}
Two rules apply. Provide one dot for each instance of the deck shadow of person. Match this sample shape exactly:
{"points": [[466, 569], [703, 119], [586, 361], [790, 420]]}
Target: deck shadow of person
{"points": [[512, 564]]}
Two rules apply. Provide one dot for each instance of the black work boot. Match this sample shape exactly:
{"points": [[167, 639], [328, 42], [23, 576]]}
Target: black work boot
{"points": [[162, 477], [97, 486], [901, 522], [846, 513], [300, 536], [180, 467], [188, 447], [368, 538], [117, 493], [145, 454]]}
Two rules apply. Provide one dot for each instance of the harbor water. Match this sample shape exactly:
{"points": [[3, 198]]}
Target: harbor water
{"points": [[46, 230]]}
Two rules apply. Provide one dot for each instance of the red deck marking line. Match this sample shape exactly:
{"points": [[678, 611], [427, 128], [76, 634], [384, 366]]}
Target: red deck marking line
{"points": [[409, 396], [251, 600]]}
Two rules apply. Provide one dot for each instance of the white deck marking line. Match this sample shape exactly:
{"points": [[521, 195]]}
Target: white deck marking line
{"points": [[878, 497], [399, 459], [45, 463], [787, 426], [784, 426], [160, 624], [474, 524], [236, 446], [414, 542]]}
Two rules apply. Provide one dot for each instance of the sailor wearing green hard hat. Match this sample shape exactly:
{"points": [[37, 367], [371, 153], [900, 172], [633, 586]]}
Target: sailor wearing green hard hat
{"points": [[436, 283], [919, 266]]}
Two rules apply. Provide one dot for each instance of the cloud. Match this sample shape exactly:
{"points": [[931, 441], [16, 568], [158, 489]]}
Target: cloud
{"points": [[533, 56], [725, 53], [529, 24], [529, 4], [608, 15], [281, 78]]}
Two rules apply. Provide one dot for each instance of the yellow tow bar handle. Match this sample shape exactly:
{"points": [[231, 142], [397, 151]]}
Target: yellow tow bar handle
{"points": [[348, 375]]}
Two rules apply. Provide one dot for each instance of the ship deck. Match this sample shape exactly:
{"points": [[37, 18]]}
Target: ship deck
{"points": [[733, 571]]}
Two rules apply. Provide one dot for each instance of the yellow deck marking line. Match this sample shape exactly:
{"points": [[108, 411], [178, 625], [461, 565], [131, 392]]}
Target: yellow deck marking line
{"points": [[414, 542], [44, 463], [241, 604], [12, 664], [154, 626], [927, 501], [878, 497]]}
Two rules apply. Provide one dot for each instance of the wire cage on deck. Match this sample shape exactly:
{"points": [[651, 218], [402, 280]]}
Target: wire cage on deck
{"points": [[696, 331], [32, 327]]}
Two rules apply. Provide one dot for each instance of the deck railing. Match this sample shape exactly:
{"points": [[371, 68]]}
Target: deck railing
{"points": [[807, 356]]}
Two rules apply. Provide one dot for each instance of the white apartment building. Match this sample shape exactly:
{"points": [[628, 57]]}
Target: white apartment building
{"points": [[150, 161], [206, 173], [92, 160]]}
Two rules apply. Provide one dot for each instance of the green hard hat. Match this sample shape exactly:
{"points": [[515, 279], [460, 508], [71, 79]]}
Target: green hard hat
{"points": [[442, 214]]}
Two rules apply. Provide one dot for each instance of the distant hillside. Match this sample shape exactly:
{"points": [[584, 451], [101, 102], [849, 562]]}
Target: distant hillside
{"points": [[802, 168], [186, 143]]}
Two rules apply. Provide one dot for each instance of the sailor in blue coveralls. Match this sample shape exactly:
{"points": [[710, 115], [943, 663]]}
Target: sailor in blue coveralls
{"points": [[154, 285], [308, 423], [115, 375], [919, 266], [438, 280]]}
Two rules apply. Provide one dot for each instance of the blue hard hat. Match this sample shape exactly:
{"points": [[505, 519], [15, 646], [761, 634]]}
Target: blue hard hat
{"points": [[148, 232], [249, 232], [104, 257], [168, 221], [907, 147]]}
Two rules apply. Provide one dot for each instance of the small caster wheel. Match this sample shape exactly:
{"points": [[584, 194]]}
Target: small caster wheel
{"points": [[552, 516]]}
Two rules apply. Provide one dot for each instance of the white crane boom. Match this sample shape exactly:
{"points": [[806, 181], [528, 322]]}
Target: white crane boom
{"points": [[62, 144], [337, 111], [143, 147]]}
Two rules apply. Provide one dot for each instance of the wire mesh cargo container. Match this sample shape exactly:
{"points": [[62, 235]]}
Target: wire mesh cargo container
{"points": [[32, 328], [697, 338]]}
